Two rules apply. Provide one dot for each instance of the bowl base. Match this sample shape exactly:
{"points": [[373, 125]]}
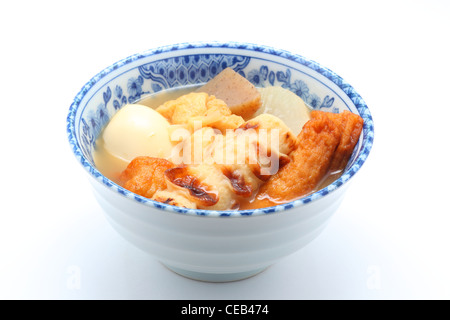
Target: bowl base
{"points": [[215, 277]]}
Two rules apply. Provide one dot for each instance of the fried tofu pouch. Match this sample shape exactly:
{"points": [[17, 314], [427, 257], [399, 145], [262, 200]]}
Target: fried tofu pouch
{"points": [[145, 175], [200, 107], [325, 143]]}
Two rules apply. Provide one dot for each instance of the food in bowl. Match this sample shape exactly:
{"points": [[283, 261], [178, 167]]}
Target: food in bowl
{"points": [[226, 145], [211, 245]]}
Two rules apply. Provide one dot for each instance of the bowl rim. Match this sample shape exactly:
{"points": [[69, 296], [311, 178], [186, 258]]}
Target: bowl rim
{"points": [[366, 145]]}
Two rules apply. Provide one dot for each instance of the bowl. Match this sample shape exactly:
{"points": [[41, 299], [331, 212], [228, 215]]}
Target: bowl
{"points": [[212, 245]]}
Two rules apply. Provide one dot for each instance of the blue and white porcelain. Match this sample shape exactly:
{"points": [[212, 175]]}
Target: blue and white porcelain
{"points": [[202, 244]]}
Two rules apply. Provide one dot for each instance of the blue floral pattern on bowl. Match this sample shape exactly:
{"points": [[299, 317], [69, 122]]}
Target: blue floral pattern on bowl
{"points": [[188, 68]]}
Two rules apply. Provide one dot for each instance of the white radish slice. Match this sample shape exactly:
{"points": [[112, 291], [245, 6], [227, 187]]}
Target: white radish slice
{"points": [[286, 105]]}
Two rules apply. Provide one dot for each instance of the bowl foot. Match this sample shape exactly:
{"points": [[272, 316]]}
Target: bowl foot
{"points": [[215, 277]]}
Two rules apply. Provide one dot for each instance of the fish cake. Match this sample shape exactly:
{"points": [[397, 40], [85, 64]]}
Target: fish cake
{"points": [[326, 143], [239, 94], [350, 125]]}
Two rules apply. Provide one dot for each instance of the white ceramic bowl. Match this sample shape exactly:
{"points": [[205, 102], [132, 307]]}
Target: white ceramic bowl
{"points": [[201, 244]]}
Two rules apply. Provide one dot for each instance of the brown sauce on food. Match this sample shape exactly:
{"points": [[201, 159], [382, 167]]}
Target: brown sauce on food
{"points": [[181, 177], [240, 187], [248, 126]]}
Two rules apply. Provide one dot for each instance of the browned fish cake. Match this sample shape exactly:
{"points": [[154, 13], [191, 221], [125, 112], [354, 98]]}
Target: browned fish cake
{"points": [[326, 143], [350, 125], [201, 192], [309, 163]]}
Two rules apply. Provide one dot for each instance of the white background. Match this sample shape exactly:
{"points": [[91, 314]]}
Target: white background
{"points": [[390, 238]]}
